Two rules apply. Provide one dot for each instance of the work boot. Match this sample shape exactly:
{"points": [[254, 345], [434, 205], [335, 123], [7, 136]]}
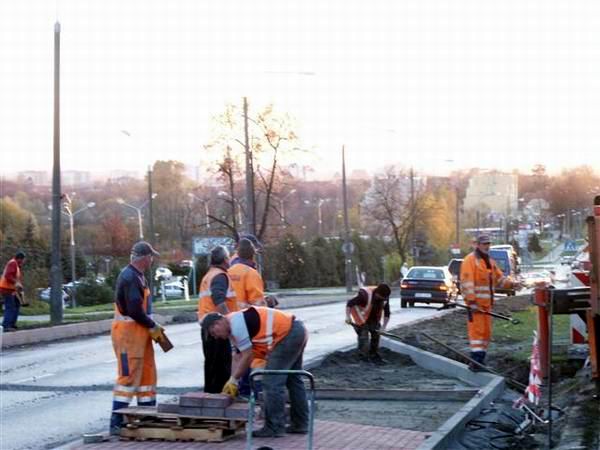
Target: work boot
{"points": [[475, 368], [377, 359], [362, 357], [296, 430]]}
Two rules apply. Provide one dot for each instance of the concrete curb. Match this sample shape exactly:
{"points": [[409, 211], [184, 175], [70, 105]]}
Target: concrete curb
{"points": [[491, 387], [95, 327]]}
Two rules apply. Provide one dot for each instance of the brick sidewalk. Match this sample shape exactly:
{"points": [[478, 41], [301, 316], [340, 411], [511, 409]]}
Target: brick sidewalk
{"points": [[328, 436]]}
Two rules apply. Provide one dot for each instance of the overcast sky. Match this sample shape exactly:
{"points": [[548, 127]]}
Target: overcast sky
{"points": [[495, 84]]}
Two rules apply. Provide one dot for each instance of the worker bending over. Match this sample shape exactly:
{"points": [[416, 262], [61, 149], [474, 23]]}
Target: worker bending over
{"points": [[279, 338], [365, 313]]}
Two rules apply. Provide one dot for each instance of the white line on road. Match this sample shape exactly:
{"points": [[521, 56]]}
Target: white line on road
{"points": [[110, 361], [187, 344], [46, 375]]}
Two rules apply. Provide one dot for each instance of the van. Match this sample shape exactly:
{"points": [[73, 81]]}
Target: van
{"points": [[505, 262]]}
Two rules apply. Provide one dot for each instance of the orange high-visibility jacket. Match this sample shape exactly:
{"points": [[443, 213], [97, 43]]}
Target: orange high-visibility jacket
{"points": [[247, 284], [274, 326], [477, 282], [205, 303], [7, 285], [361, 314]]}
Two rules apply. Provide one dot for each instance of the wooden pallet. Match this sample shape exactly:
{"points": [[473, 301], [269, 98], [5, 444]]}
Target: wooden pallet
{"points": [[145, 423]]}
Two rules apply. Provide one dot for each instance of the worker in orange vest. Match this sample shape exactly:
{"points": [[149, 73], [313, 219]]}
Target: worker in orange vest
{"points": [[479, 276], [11, 282], [216, 295], [279, 338], [365, 313], [246, 281], [132, 332]]}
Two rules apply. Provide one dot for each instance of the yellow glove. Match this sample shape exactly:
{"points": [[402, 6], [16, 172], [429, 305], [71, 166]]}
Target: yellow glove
{"points": [[156, 333], [231, 388]]}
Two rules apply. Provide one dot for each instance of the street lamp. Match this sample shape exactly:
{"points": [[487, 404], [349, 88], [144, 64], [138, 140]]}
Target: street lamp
{"points": [[68, 211], [206, 213], [233, 202], [138, 210], [281, 205], [319, 203]]}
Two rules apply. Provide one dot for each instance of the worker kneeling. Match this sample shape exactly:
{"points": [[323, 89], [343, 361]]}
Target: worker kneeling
{"points": [[279, 338], [365, 312]]}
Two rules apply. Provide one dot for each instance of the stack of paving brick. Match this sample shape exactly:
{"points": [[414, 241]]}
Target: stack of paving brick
{"points": [[202, 404]]}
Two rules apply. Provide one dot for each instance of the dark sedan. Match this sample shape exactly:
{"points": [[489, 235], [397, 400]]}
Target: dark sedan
{"points": [[425, 284]]}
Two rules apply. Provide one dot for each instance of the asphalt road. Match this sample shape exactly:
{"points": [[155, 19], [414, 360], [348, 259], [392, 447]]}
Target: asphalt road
{"points": [[52, 393]]}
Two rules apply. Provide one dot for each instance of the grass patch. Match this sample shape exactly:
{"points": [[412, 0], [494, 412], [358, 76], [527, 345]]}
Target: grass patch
{"points": [[35, 308], [505, 332]]}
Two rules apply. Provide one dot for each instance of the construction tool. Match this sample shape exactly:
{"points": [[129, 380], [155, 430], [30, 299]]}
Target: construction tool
{"points": [[510, 381], [490, 313]]}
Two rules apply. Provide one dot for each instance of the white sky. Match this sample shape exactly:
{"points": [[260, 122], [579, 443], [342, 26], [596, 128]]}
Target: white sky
{"points": [[495, 84]]}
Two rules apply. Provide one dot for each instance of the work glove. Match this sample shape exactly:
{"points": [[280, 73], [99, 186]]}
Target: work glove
{"points": [[231, 387], [271, 301], [156, 332], [349, 321]]}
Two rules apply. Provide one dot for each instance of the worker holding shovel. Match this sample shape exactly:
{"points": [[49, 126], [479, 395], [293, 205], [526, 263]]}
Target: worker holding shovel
{"points": [[368, 313], [479, 276]]}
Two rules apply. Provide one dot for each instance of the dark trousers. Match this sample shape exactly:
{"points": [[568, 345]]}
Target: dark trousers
{"points": [[368, 346], [217, 363], [11, 311]]}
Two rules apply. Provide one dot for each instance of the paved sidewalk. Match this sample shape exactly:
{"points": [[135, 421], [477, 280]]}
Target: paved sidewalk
{"points": [[328, 436]]}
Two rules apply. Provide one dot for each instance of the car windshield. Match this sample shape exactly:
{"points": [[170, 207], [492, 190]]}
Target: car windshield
{"points": [[426, 274]]}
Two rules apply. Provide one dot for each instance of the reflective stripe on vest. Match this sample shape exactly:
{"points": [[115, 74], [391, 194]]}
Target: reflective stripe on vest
{"points": [[205, 302], [359, 314], [274, 326]]}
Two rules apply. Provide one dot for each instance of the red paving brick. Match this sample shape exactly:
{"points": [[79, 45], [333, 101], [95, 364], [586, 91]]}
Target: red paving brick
{"points": [[328, 436]]}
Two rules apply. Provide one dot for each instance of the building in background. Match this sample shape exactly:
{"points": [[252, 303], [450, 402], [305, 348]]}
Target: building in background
{"points": [[496, 190]]}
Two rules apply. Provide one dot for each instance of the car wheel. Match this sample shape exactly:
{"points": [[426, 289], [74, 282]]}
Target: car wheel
{"points": [[403, 303], [412, 304]]}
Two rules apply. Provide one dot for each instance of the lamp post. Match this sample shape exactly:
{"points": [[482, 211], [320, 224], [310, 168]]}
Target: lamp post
{"points": [[205, 202], [138, 210], [319, 202], [68, 211], [282, 206]]}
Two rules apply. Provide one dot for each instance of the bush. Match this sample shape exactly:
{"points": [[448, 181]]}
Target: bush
{"points": [[89, 293]]}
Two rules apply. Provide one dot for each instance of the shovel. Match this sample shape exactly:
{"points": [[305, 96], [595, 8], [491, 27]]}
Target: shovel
{"points": [[490, 313]]}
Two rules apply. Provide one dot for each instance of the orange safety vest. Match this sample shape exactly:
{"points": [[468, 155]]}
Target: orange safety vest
{"points": [[274, 327], [247, 284], [205, 303], [7, 285], [477, 282], [361, 314]]}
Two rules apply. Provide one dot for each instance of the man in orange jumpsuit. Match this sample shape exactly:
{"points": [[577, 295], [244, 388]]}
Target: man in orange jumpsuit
{"points": [[479, 276], [11, 282], [133, 330]]}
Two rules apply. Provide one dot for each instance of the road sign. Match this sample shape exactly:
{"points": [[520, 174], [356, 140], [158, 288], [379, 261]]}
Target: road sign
{"points": [[570, 246], [348, 248], [201, 246]]}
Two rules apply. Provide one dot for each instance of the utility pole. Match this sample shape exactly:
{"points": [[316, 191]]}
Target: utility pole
{"points": [[250, 207], [150, 225], [348, 247], [56, 299], [413, 210]]}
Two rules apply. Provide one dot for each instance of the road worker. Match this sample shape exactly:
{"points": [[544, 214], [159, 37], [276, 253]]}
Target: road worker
{"points": [[132, 333], [479, 276], [245, 279], [11, 283], [279, 338], [216, 295], [365, 313]]}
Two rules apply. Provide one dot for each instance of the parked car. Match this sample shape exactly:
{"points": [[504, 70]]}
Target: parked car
{"points": [[505, 261], [531, 279], [454, 269], [567, 260], [163, 273], [173, 290], [44, 295], [427, 284], [511, 250]]}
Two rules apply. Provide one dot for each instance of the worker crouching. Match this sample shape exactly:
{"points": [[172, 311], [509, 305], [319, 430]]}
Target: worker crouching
{"points": [[365, 313], [280, 339]]}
